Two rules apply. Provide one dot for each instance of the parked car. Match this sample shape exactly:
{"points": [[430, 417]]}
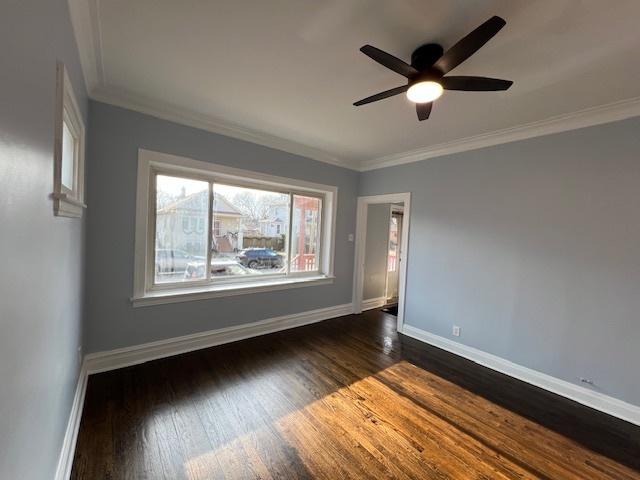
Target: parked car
{"points": [[219, 268], [170, 261], [260, 258]]}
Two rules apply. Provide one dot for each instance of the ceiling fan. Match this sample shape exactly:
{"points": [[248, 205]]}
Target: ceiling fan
{"points": [[426, 74]]}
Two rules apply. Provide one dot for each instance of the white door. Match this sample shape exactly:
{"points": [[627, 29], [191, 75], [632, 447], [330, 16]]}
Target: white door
{"points": [[394, 256]]}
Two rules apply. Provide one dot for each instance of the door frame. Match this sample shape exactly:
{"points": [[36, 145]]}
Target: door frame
{"points": [[360, 244]]}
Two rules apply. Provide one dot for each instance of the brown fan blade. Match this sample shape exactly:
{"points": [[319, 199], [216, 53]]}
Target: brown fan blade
{"points": [[423, 110], [475, 84], [382, 95], [389, 61], [469, 44]]}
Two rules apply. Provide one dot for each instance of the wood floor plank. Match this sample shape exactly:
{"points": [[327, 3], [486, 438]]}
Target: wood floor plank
{"points": [[404, 420], [345, 398], [489, 420]]}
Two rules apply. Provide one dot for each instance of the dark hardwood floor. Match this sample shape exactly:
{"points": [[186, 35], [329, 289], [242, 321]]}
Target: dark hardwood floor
{"points": [[345, 398]]}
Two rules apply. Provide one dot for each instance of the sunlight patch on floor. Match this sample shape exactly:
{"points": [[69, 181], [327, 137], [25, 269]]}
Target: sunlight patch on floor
{"points": [[437, 428]]}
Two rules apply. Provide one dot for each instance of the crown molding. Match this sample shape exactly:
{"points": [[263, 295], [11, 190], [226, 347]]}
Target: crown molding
{"points": [[85, 19], [212, 124], [602, 114], [607, 113]]}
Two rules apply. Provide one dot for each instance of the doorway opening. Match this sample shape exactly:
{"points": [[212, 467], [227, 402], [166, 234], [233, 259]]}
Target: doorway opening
{"points": [[381, 253]]}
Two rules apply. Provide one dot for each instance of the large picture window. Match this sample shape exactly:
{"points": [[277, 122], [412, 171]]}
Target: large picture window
{"points": [[214, 229]]}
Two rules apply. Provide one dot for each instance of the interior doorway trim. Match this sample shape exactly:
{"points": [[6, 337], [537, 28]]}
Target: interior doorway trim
{"points": [[361, 239]]}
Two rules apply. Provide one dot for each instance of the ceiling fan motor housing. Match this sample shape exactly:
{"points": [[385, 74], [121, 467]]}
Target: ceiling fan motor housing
{"points": [[425, 56]]}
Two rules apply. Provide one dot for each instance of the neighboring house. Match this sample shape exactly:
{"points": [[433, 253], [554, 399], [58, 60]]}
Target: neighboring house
{"points": [[181, 224], [276, 221], [227, 230]]}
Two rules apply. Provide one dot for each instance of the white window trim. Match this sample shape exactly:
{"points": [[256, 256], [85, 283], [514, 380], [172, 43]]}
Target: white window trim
{"points": [[67, 203], [149, 162]]}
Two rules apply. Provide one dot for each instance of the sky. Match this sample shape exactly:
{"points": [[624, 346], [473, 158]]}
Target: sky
{"points": [[172, 186]]}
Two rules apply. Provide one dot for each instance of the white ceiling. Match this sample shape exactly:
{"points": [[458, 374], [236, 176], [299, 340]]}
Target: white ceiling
{"points": [[285, 72]]}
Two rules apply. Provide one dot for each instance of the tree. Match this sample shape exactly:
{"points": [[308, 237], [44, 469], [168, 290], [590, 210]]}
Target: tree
{"points": [[253, 207]]}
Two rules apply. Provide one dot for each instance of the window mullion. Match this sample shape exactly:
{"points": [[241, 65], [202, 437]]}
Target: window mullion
{"points": [[320, 235], [290, 233], [153, 227], [210, 232]]}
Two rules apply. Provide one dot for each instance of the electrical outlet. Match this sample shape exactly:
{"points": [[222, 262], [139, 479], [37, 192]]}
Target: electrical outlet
{"points": [[456, 331], [350, 237]]}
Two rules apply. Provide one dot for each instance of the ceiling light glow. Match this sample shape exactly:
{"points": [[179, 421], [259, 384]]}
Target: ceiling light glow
{"points": [[424, 92]]}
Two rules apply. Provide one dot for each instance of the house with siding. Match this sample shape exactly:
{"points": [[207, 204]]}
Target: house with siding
{"points": [[277, 219], [181, 224]]}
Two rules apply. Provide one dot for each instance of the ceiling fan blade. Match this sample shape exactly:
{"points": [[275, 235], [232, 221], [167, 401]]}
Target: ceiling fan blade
{"points": [[382, 95], [423, 110], [469, 44], [475, 84], [389, 61]]}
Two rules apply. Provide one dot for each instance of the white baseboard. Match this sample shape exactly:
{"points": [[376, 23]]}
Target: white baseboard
{"points": [[65, 462], [124, 357], [371, 303], [596, 400]]}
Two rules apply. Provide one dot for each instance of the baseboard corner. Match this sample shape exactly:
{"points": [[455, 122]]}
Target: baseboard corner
{"points": [[371, 303]]}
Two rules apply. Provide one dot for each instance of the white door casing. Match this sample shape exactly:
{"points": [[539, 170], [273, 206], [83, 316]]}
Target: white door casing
{"points": [[360, 244]]}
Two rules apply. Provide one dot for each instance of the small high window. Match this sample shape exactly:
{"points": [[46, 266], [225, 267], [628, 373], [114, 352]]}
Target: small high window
{"points": [[68, 175]]}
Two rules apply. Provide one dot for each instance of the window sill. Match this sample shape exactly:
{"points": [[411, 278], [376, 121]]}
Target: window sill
{"points": [[65, 206], [203, 293]]}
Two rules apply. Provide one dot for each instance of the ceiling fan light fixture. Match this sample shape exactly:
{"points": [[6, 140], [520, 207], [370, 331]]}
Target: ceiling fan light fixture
{"points": [[424, 92], [425, 76]]}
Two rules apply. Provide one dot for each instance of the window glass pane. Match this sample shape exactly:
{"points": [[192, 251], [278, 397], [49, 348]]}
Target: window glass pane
{"points": [[68, 156], [182, 216], [249, 231], [305, 234]]}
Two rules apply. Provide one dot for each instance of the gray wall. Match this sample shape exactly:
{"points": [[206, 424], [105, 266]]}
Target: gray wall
{"points": [[533, 248], [376, 250], [41, 281], [115, 137]]}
